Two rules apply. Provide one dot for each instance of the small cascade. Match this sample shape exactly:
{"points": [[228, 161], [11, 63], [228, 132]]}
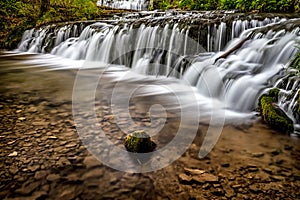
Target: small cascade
{"points": [[87, 37], [43, 39], [124, 4], [288, 96], [231, 61], [246, 73]]}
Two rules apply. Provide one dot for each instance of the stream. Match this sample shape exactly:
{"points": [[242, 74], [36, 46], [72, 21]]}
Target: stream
{"points": [[183, 49]]}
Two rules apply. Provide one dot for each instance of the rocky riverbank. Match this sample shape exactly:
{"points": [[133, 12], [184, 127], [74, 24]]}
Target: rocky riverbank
{"points": [[42, 156]]}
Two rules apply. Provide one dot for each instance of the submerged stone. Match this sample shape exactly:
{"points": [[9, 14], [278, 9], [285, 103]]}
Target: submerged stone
{"points": [[139, 142]]}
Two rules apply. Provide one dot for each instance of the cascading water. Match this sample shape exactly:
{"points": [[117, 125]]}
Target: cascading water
{"points": [[162, 46], [124, 4]]}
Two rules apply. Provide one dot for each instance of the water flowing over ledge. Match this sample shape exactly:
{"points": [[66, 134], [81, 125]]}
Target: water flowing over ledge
{"points": [[185, 46], [123, 4]]}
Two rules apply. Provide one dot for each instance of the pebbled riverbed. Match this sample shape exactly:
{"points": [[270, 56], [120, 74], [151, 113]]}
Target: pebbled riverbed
{"points": [[42, 156]]}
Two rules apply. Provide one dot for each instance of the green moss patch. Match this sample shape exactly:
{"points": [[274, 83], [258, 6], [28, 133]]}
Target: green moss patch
{"points": [[139, 142], [274, 116]]}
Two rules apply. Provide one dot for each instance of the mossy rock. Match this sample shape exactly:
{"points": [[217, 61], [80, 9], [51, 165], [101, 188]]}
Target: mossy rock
{"points": [[274, 116], [139, 142]]}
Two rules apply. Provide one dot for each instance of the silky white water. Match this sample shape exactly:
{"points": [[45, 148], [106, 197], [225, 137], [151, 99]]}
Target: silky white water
{"points": [[167, 55]]}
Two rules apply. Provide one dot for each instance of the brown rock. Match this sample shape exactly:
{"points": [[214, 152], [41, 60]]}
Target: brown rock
{"points": [[13, 170], [183, 178], [33, 168], [63, 162], [254, 189], [40, 174], [68, 193], [40, 123], [194, 171], [225, 165], [70, 145], [205, 178], [277, 178], [13, 154], [91, 162], [53, 177], [38, 195], [95, 173], [27, 188], [258, 154], [218, 192]]}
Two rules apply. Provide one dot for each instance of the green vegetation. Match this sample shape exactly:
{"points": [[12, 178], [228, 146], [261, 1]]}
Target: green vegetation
{"points": [[296, 62], [139, 142], [272, 114], [242, 5], [18, 15]]}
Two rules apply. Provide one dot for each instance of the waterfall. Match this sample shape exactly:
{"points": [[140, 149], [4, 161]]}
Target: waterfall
{"points": [[87, 37], [124, 4], [181, 46]]}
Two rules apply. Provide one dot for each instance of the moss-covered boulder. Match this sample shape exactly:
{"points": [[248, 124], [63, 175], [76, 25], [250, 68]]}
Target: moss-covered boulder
{"points": [[272, 114], [139, 142]]}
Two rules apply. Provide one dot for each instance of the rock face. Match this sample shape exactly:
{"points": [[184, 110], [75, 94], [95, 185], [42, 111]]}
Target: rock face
{"points": [[273, 115], [139, 142]]}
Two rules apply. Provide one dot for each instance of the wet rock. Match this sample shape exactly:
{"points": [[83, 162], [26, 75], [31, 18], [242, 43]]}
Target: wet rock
{"points": [[236, 186], [139, 142], [40, 123], [28, 188], [275, 152], [13, 170], [13, 154], [206, 186], [74, 177], [32, 109], [39, 195], [33, 168], [253, 169], [52, 138], [258, 154], [273, 115], [229, 193], [53, 177], [63, 162], [40, 174], [288, 147], [218, 192], [268, 170], [11, 142], [91, 162], [225, 165], [95, 173], [194, 171], [21, 118], [277, 178], [71, 145], [68, 193], [185, 179], [254, 189], [205, 178]]}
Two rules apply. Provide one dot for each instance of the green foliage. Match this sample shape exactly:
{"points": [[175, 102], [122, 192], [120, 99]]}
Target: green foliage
{"points": [[296, 62], [186, 4], [18, 15], [162, 4], [227, 4], [242, 5]]}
